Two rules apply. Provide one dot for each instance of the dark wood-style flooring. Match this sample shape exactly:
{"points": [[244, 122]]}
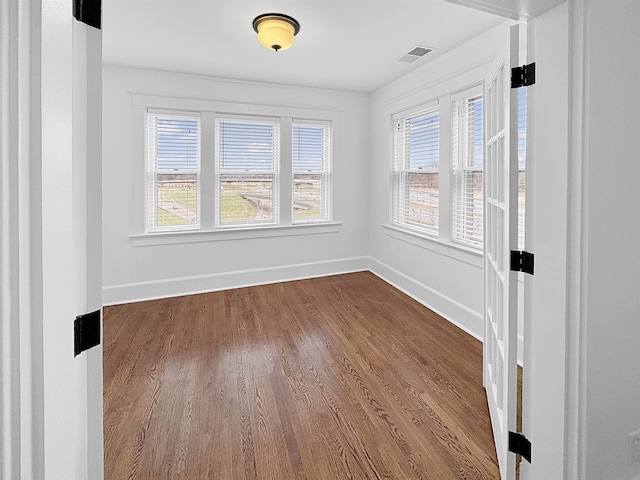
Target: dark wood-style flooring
{"points": [[340, 377]]}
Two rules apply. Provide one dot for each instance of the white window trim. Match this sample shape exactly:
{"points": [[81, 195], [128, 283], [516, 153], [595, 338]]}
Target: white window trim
{"points": [[208, 109], [452, 250], [226, 233]]}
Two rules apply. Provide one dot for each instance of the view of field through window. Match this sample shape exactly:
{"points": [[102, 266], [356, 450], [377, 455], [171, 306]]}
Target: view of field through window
{"points": [[177, 199], [307, 197], [246, 199], [423, 193]]}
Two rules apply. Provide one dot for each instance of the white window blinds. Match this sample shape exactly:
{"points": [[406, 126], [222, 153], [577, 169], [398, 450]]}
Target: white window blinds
{"points": [[173, 171], [416, 165], [311, 165], [467, 164], [247, 165]]}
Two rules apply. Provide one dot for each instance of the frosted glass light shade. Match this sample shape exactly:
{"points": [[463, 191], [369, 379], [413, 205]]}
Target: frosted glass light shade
{"points": [[276, 31]]}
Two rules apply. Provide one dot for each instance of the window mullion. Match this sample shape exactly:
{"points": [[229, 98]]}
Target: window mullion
{"points": [[207, 171], [286, 171], [444, 219]]}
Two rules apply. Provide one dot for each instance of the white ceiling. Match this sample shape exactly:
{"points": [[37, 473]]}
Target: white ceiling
{"points": [[342, 44]]}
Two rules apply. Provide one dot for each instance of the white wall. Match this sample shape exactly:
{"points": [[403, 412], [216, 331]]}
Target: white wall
{"points": [[612, 232], [137, 272], [447, 279]]}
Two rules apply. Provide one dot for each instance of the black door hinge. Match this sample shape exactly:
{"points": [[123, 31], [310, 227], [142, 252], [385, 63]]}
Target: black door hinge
{"points": [[88, 11], [86, 332], [523, 76], [519, 444], [522, 261]]}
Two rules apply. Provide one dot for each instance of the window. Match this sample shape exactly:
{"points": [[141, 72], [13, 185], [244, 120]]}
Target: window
{"points": [[466, 169], [311, 162], [437, 176], [247, 163], [210, 171], [173, 171], [415, 170]]}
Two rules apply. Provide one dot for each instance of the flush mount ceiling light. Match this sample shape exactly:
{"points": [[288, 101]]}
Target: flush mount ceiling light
{"points": [[275, 30]]}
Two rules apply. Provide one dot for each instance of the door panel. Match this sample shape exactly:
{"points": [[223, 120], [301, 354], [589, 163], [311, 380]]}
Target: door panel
{"points": [[500, 311]]}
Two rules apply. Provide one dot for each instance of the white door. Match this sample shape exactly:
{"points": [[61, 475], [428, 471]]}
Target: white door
{"points": [[500, 310]]}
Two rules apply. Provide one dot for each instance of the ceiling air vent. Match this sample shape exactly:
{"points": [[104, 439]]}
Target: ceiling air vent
{"points": [[414, 54]]}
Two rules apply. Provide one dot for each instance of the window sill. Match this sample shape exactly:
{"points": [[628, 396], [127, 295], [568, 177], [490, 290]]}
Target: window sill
{"points": [[170, 238], [457, 252]]}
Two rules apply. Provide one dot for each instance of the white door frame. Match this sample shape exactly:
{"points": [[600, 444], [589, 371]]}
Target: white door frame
{"points": [[545, 381], [48, 399], [21, 353]]}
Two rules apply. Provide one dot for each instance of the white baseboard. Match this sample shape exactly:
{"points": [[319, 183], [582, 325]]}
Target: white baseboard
{"points": [[460, 315], [174, 287]]}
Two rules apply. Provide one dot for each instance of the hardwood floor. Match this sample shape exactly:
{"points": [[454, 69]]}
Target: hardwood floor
{"points": [[339, 377]]}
